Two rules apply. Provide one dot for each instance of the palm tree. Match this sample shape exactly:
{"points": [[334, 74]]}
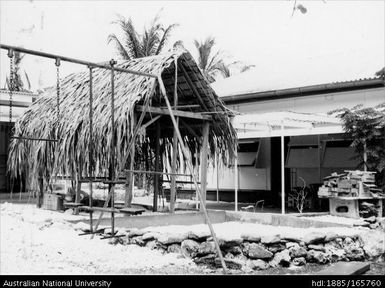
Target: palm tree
{"points": [[212, 66], [209, 64], [136, 45], [226, 70]]}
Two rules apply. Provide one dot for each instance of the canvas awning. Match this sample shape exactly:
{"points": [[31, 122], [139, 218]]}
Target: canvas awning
{"points": [[250, 152], [285, 123]]}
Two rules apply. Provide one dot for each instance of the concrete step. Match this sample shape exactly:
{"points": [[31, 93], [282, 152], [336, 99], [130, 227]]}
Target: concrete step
{"points": [[346, 268]]}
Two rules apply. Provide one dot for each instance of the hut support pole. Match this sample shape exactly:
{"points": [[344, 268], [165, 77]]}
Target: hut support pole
{"points": [[129, 174], [77, 192], [282, 169], [90, 160], [112, 160], [157, 167], [204, 153], [365, 157], [217, 168], [174, 145], [173, 169], [191, 169], [236, 181], [40, 193]]}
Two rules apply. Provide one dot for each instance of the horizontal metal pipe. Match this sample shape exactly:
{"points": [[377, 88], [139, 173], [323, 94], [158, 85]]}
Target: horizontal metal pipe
{"points": [[181, 182], [86, 180], [114, 182], [72, 60], [157, 172], [34, 139]]}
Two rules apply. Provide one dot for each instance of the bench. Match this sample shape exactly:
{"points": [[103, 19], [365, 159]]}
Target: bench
{"points": [[72, 204], [132, 211]]}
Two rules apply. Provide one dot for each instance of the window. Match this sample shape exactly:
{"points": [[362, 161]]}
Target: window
{"points": [[248, 153]]}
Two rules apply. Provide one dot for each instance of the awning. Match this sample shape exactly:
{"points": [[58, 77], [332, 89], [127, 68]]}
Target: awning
{"points": [[248, 153], [275, 124]]}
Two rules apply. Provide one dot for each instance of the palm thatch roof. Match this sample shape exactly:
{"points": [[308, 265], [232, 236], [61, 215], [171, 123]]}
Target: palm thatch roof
{"points": [[69, 155]]}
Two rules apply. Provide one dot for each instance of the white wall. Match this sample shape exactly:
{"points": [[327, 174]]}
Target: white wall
{"points": [[250, 178], [16, 111]]}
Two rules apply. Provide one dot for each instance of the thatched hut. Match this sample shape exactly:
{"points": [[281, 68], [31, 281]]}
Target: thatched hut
{"points": [[196, 102]]}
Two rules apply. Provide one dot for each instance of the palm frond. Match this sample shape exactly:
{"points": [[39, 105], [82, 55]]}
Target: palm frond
{"points": [[28, 82], [122, 51], [131, 37], [246, 67], [165, 36]]}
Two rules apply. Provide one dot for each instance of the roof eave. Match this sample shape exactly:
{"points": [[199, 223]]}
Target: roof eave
{"points": [[304, 91]]}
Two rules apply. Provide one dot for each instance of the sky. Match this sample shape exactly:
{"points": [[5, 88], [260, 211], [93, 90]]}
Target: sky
{"points": [[333, 41]]}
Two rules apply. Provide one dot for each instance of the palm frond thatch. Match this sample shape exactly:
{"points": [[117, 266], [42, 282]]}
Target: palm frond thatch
{"points": [[69, 155]]}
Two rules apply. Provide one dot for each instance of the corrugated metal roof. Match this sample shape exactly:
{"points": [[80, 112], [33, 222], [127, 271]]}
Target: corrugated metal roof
{"points": [[304, 90], [251, 83]]}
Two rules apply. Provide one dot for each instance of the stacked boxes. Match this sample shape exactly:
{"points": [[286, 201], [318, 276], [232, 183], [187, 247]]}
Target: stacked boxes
{"points": [[349, 184], [353, 194]]}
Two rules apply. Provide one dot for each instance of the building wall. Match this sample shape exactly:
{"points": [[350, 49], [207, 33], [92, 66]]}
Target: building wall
{"points": [[4, 140], [27, 99], [251, 178]]}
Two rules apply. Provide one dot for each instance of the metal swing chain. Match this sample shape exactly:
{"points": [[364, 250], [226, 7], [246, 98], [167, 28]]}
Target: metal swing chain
{"points": [[57, 63]]}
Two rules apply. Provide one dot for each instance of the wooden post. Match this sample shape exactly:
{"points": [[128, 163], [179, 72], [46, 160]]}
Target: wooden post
{"points": [[40, 193], [204, 154], [282, 169], [130, 175], [319, 158], [236, 179], [111, 187], [365, 157], [217, 168], [173, 170], [77, 193], [90, 152], [191, 169], [157, 167], [196, 172], [174, 145]]}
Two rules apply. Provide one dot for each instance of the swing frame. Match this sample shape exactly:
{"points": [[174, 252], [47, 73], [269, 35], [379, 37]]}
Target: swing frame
{"points": [[174, 115]]}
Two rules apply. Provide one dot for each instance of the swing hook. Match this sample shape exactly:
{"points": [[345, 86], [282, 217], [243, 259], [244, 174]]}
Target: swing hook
{"points": [[57, 62], [10, 53], [112, 62]]}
